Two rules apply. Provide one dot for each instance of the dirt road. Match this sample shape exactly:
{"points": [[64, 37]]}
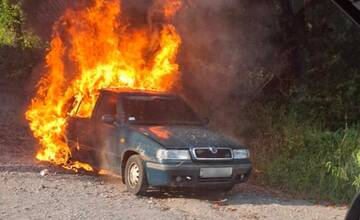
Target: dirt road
{"points": [[25, 194]]}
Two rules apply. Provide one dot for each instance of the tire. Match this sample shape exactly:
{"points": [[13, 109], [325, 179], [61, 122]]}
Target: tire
{"points": [[135, 176]]}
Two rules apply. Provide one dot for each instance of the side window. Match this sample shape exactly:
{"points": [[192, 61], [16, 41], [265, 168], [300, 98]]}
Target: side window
{"points": [[84, 110], [107, 106]]}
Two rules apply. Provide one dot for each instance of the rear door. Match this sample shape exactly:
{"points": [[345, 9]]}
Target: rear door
{"points": [[80, 138]]}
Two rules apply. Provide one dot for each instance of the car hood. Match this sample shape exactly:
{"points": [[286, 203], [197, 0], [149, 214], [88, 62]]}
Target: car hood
{"points": [[186, 137]]}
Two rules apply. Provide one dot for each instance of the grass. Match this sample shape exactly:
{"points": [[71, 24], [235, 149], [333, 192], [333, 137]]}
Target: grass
{"points": [[304, 157]]}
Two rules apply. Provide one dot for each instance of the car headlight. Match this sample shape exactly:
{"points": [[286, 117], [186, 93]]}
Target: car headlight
{"points": [[241, 153], [163, 154]]}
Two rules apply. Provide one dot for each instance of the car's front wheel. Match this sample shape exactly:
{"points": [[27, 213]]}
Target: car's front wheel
{"points": [[135, 175]]}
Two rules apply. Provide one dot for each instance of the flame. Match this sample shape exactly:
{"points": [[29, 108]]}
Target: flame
{"points": [[160, 132], [95, 48], [108, 173]]}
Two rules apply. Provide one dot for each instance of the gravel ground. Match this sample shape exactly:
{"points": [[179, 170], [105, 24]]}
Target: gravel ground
{"points": [[25, 194]]}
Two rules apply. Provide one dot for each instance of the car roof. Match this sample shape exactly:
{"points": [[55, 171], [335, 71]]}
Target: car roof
{"points": [[128, 91]]}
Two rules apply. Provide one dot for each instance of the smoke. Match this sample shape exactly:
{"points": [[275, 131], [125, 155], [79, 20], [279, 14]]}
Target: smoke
{"points": [[226, 53], [224, 57]]}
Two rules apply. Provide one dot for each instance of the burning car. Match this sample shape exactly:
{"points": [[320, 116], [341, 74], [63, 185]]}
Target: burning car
{"points": [[154, 139]]}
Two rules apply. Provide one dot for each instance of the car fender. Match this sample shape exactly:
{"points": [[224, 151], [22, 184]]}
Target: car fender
{"points": [[143, 145]]}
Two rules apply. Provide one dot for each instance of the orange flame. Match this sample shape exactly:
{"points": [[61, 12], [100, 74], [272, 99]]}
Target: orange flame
{"points": [[160, 132], [91, 49]]}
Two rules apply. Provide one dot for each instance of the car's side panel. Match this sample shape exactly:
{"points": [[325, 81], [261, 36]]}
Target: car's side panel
{"points": [[146, 147], [105, 135], [107, 146], [139, 143]]}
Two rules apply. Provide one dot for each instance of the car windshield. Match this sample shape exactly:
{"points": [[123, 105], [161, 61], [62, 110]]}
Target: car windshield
{"points": [[163, 109]]}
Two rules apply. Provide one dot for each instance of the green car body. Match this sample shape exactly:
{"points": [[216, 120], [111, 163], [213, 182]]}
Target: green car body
{"points": [[176, 148]]}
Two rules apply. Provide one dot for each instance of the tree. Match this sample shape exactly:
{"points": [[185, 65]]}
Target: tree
{"points": [[20, 49]]}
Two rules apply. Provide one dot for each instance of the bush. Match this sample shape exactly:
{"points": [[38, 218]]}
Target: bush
{"points": [[323, 163], [305, 157], [20, 49]]}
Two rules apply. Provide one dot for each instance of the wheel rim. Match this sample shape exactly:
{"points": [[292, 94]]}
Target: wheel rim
{"points": [[133, 175]]}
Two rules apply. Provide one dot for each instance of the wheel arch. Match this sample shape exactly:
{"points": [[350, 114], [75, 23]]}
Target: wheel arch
{"points": [[125, 157]]}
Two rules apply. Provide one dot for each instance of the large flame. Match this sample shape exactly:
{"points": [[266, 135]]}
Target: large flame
{"points": [[95, 48]]}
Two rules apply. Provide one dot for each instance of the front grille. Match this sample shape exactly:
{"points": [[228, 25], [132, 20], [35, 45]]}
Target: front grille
{"points": [[212, 153]]}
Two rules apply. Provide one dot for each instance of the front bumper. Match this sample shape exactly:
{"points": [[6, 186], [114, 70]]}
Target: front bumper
{"points": [[188, 175]]}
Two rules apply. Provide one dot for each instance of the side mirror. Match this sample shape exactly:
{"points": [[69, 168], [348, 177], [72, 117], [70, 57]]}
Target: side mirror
{"points": [[108, 119], [206, 121]]}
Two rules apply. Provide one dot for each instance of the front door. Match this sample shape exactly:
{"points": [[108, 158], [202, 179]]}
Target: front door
{"points": [[106, 132]]}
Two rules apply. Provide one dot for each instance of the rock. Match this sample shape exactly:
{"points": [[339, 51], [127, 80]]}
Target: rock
{"points": [[165, 208], [215, 206], [44, 172], [106, 196], [224, 200], [232, 209]]}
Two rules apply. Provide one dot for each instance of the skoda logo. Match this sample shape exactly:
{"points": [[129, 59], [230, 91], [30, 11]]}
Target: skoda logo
{"points": [[213, 150]]}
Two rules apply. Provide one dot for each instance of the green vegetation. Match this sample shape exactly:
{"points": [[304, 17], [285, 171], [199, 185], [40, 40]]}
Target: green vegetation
{"points": [[20, 49], [307, 138], [319, 162], [305, 157]]}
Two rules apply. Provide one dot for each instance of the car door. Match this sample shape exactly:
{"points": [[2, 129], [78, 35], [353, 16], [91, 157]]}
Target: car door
{"points": [[79, 138], [106, 131]]}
